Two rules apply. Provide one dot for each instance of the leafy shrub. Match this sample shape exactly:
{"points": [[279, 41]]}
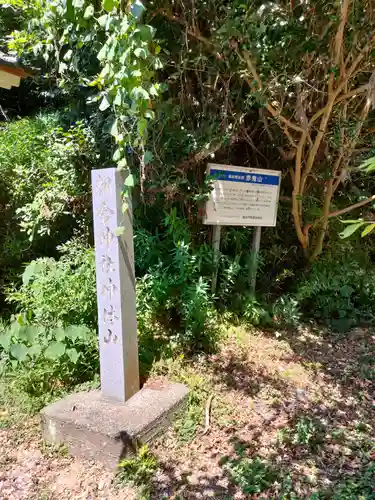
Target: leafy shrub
{"points": [[305, 432], [60, 292], [38, 165], [45, 359], [361, 485], [251, 475], [44, 172], [339, 290], [255, 313], [138, 470], [286, 311], [175, 291]]}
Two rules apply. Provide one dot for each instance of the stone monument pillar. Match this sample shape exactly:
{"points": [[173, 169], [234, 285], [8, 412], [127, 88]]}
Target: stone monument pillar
{"points": [[107, 425], [115, 279]]}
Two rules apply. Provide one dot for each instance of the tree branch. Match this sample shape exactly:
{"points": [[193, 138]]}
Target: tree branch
{"points": [[245, 56], [351, 207], [340, 31], [182, 22]]}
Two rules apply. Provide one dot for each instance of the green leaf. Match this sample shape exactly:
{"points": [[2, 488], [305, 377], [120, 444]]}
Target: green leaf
{"points": [[149, 113], [28, 273], [55, 350], [124, 207], [114, 129], [15, 328], [69, 10], [105, 104], [147, 32], [119, 231], [157, 63], [59, 333], [35, 350], [129, 181], [140, 93], [153, 91], [142, 126], [20, 320], [118, 98], [141, 53], [122, 164], [29, 333], [68, 55], [5, 340], [351, 221], [117, 154], [89, 12], [102, 54], [368, 230], [62, 67], [368, 165], [108, 5], [148, 157], [19, 352], [73, 355], [346, 291], [349, 230], [102, 20], [112, 51], [75, 332]]}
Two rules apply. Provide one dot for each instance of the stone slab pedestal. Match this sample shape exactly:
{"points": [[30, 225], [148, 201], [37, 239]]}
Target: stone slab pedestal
{"points": [[95, 428]]}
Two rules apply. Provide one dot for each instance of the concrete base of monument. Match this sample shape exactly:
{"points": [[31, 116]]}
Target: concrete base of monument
{"points": [[95, 428]]}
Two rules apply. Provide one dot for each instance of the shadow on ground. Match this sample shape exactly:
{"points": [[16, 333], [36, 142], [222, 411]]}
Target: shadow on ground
{"points": [[293, 418]]}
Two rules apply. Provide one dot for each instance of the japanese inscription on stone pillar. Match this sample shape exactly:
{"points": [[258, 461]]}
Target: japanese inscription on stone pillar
{"points": [[115, 280]]}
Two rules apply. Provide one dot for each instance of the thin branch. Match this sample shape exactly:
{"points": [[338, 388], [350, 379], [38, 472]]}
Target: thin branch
{"points": [[340, 31], [246, 57], [286, 155], [353, 93], [296, 192], [357, 60], [194, 34], [351, 207], [276, 114], [348, 95]]}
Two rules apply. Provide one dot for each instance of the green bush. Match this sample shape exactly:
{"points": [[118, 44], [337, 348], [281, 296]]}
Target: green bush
{"points": [[252, 475], [60, 292], [138, 470], [175, 291], [306, 432], [44, 172], [339, 289], [360, 485], [44, 360]]}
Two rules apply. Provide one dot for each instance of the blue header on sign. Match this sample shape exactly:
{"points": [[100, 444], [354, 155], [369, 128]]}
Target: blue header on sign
{"points": [[226, 175]]}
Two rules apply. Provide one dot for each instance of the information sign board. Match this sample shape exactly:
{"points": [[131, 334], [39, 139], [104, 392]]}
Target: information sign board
{"points": [[242, 196]]}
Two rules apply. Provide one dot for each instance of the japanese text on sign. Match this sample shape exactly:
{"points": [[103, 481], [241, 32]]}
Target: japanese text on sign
{"points": [[242, 196]]}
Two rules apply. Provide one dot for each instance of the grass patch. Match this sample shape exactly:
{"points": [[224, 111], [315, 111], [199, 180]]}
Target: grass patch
{"points": [[306, 432], [252, 475], [138, 471]]}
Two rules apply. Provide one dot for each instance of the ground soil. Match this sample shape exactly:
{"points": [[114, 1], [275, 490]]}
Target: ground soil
{"points": [[301, 402]]}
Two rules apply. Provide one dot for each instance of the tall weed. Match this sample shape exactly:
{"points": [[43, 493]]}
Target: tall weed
{"points": [[339, 289]]}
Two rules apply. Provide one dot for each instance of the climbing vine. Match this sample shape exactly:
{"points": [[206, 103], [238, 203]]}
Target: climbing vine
{"points": [[107, 48], [253, 83]]}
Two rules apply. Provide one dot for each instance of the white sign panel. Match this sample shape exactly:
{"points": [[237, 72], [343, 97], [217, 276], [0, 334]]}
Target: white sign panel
{"points": [[242, 196]]}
